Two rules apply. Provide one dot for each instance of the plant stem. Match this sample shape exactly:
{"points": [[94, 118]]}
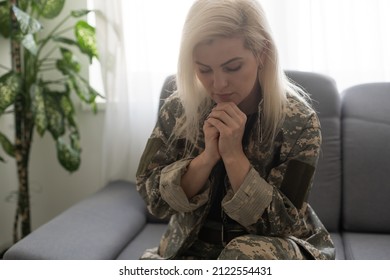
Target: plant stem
{"points": [[44, 42], [48, 60], [60, 81], [23, 138], [48, 37], [48, 55], [24, 125], [64, 30]]}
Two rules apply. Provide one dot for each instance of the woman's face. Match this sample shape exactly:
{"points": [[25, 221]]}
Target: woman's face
{"points": [[228, 71]]}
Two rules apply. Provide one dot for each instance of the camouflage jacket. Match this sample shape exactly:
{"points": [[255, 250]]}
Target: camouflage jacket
{"points": [[272, 200]]}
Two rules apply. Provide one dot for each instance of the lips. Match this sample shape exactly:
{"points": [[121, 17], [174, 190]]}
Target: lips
{"points": [[223, 96]]}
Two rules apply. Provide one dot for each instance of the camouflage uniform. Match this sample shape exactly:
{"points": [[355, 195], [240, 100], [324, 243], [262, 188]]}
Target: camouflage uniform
{"points": [[270, 204]]}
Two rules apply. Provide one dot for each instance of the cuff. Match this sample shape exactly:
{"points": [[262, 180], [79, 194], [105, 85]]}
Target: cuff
{"points": [[172, 192], [248, 204]]}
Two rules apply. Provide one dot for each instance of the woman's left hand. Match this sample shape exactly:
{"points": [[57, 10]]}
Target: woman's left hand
{"points": [[230, 121]]}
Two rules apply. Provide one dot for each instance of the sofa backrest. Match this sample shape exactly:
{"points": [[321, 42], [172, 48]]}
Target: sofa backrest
{"points": [[366, 157], [325, 196]]}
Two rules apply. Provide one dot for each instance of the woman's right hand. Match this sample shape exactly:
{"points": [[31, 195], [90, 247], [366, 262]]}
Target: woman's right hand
{"points": [[211, 136], [200, 167]]}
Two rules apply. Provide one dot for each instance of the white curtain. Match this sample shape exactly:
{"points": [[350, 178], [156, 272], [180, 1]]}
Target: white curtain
{"points": [[345, 39], [138, 45], [118, 138]]}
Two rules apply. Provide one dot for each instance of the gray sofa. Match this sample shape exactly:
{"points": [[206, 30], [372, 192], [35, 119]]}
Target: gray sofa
{"points": [[351, 191]]}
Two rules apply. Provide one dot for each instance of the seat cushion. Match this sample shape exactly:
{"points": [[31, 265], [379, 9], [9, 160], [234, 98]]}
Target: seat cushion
{"points": [[366, 246], [95, 228], [338, 244], [149, 237]]}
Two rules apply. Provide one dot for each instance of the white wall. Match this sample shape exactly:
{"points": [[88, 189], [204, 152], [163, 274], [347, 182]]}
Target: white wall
{"points": [[52, 188]]}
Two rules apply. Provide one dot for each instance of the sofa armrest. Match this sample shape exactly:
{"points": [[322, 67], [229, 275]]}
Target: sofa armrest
{"points": [[98, 227]]}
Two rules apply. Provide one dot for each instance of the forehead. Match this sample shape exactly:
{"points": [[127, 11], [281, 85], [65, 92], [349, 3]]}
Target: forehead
{"points": [[217, 50]]}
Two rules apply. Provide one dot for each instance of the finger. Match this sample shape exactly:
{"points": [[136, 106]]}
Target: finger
{"points": [[209, 128], [217, 124], [232, 110], [222, 116], [229, 115]]}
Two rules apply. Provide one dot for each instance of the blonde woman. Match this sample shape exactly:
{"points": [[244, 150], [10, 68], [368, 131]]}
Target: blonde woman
{"points": [[232, 157]]}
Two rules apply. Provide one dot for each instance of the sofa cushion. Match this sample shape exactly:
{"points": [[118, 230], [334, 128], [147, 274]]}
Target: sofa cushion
{"points": [[366, 158], [149, 237], [366, 246], [96, 228], [325, 197], [339, 246]]}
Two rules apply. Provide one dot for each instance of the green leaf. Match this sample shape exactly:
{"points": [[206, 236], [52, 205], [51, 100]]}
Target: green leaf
{"points": [[54, 114], [69, 111], [82, 88], [28, 25], [68, 156], [5, 22], [10, 85], [67, 105], [28, 42], [65, 40], [86, 39], [39, 108], [80, 13], [94, 107], [49, 8], [75, 141], [1, 159], [68, 64], [8, 147]]}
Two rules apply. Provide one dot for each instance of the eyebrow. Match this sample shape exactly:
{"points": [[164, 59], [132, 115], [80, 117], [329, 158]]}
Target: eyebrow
{"points": [[223, 64]]}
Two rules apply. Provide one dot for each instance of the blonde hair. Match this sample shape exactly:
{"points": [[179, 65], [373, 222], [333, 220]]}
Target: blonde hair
{"points": [[227, 18]]}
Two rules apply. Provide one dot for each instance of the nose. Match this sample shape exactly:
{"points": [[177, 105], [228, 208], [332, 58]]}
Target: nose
{"points": [[220, 81]]}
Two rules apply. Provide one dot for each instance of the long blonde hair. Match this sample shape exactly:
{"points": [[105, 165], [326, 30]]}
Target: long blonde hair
{"points": [[215, 18]]}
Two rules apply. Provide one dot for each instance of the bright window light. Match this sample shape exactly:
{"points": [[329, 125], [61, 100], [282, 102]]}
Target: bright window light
{"points": [[95, 73]]}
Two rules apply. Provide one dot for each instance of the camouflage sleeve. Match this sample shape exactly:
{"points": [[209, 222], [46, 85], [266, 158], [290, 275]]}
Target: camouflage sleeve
{"points": [[172, 192], [161, 168], [276, 201]]}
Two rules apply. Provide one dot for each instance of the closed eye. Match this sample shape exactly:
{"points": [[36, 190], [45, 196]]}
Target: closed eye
{"points": [[232, 69], [204, 70]]}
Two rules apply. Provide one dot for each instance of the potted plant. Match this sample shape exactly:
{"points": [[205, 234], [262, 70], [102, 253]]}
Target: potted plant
{"points": [[38, 103]]}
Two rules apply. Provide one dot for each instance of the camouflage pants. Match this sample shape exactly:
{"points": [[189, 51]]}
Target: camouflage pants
{"points": [[246, 247]]}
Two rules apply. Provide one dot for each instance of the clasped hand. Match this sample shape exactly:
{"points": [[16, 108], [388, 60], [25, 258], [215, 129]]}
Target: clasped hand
{"points": [[224, 129]]}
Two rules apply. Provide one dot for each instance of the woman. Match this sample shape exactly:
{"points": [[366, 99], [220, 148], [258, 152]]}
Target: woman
{"points": [[232, 157]]}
